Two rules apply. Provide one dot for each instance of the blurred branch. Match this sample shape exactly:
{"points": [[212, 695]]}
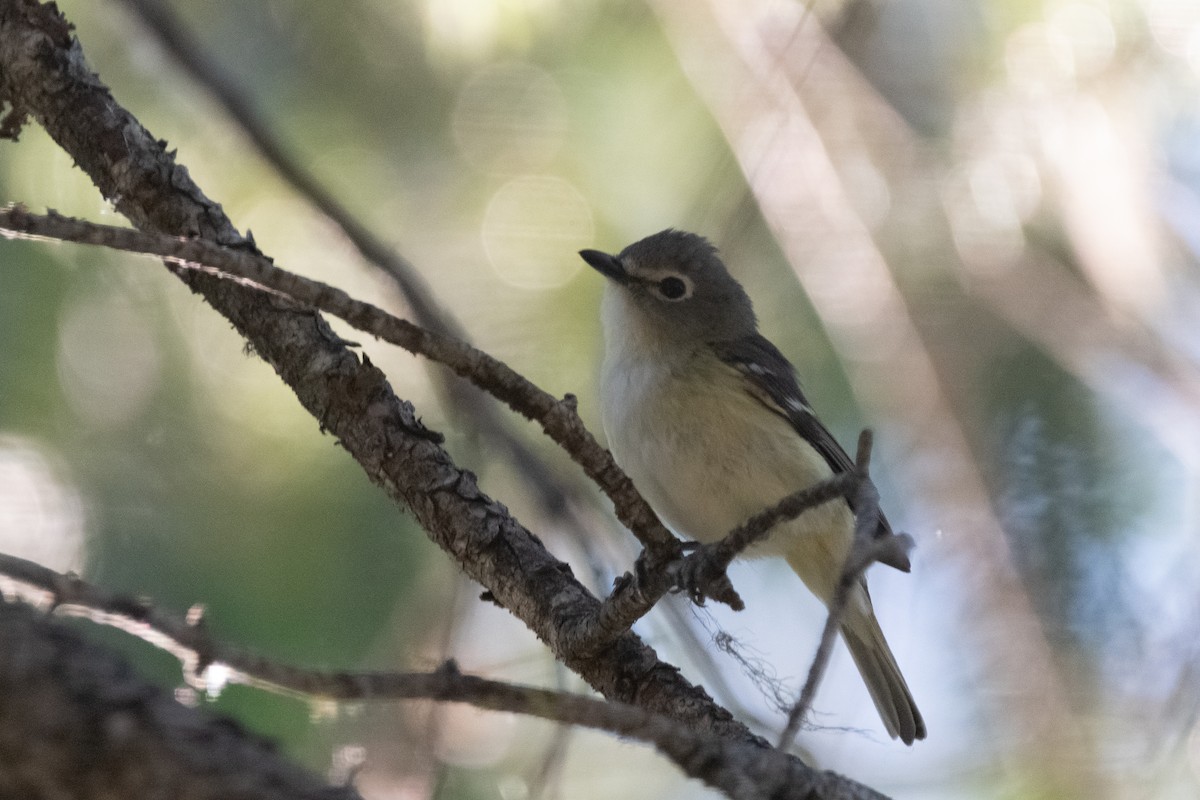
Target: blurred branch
{"points": [[78, 722], [557, 417], [748, 62], [1039, 297], [43, 74], [703, 572], [545, 780], [467, 408], [174, 38], [739, 769]]}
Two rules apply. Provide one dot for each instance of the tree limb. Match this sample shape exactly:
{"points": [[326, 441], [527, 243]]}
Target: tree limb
{"points": [[77, 722], [739, 769], [466, 408], [43, 73], [702, 573]]}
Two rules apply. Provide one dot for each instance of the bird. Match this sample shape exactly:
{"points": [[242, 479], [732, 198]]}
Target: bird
{"points": [[706, 417]]}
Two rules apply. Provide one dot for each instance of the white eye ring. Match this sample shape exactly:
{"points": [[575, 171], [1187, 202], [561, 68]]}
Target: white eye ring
{"points": [[673, 288]]}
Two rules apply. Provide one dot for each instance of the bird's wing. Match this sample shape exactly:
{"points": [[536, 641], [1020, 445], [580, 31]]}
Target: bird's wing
{"points": [[771, 379]]}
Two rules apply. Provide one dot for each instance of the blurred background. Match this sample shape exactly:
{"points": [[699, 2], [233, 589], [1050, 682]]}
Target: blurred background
{"points": [[972, 225]]}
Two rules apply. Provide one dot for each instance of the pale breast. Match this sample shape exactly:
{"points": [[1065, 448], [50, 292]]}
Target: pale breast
{"points": [[705, 453]]}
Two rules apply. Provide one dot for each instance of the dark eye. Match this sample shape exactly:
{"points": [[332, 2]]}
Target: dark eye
{"points": [[672, 288]]}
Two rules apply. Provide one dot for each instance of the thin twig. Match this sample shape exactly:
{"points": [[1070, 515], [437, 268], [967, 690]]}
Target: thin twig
{"points": [[630, 600], [718, 762], [703, 572], [465, 407], [558, 418], [189, 640], [865, 550], [175, 39]]}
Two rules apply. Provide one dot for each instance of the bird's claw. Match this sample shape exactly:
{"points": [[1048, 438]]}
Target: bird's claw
{"points": [[702, 576]]}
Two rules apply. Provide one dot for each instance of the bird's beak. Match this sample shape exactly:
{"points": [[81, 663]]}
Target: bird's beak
{"points": [[607, 265]]}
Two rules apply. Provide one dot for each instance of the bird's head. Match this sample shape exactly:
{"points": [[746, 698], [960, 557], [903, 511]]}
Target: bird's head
{"points": [[675, 284]]}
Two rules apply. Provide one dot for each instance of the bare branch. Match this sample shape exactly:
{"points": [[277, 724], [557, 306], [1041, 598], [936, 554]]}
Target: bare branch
{"points": [[720, 763], [466, 407], [865, 550], [703, 572], [43, 74], [558, 418]]}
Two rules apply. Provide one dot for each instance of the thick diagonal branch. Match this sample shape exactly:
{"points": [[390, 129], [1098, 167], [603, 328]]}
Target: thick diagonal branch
{"points": [[43, 74], [557, 417]]}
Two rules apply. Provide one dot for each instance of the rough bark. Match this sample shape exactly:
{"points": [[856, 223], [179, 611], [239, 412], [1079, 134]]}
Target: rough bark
{"points": [[43, 75]]}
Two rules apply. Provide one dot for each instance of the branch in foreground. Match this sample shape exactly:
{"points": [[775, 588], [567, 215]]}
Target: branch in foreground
{"points": [[739, 769], [43, 74], [77, 722]]}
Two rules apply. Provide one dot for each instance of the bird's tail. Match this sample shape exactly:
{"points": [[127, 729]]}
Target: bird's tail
{"points": [[880, 673]]}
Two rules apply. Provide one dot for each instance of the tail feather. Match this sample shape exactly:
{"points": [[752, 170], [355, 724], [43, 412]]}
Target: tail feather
{"points": [[882, 676]]}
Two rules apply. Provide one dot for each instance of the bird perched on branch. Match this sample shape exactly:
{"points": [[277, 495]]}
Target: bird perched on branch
{"points": [[707, 418]]}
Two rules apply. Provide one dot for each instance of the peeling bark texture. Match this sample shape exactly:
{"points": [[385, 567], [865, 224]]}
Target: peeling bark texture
{"points": [[77, 722]]}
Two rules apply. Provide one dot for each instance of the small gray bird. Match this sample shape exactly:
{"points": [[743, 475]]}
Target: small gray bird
{"points": [[707, 418]]}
